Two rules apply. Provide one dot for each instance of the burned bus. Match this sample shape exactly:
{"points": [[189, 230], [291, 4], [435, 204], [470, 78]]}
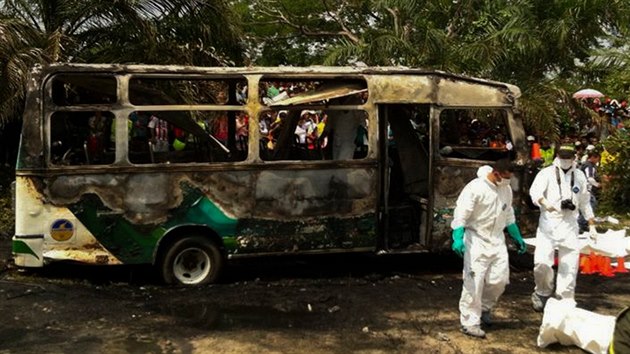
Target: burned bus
{"points": [[186, 167]]}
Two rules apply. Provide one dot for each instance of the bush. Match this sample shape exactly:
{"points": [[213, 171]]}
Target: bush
{"points": [[615, 196]]}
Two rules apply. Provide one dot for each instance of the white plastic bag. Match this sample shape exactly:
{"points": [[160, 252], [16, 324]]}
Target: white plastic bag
{"points": [[612, 243], [568, 325]]}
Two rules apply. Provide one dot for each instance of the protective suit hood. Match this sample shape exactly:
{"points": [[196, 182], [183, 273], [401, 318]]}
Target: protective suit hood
{"points": [[483, 171]]}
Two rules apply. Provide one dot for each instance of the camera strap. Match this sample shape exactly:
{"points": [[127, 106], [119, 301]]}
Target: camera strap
{"points": [[559, 184]]}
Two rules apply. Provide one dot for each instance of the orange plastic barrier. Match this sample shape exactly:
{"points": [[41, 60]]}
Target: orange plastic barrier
{"points": [[621, 266], [605, 269], [587, 264]]}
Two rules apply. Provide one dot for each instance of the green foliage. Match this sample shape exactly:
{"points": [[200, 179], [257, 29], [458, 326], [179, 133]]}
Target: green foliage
{"points": [[7, 217], [187, 32], [541, 46], [616, 192]]}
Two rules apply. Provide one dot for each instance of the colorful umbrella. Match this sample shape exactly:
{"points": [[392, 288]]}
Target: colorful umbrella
{"points": [[588, 93]]}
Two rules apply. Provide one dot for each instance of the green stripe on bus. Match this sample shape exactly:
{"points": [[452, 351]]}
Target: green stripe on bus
{"points": [[134, 244], [204, 212], [21, 247]]}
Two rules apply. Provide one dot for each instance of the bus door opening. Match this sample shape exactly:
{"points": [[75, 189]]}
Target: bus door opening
{"points": [[405, 176]]}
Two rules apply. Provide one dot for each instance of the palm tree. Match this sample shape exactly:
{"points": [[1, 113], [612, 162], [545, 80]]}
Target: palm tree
{"points": [[191, 32], [142, 31]]}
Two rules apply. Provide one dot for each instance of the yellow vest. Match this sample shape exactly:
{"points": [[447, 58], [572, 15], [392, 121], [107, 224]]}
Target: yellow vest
{"points": [[547, 156]]}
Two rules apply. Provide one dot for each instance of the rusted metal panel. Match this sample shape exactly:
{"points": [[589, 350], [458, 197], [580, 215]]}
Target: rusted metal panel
{"points": [[448, 183], [402, 89], [146, 198], [294, 194], [462, 93], [31, 145], [82, 254], [280, 210], [325, 93], [440, 89], [37, 216]]}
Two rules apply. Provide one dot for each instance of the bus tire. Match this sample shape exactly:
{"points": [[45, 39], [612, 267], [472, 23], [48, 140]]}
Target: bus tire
{"points": [[191, 261]]}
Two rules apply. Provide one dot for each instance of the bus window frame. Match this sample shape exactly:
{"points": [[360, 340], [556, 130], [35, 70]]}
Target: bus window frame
{"points": [[435, 134], [122, 108]]}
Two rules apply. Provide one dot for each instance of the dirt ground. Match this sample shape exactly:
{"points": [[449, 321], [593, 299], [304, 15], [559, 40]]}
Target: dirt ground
{"points": [[315, 304]]}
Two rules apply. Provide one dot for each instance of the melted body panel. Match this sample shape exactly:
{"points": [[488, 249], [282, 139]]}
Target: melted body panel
{"points": [[268, 211]]}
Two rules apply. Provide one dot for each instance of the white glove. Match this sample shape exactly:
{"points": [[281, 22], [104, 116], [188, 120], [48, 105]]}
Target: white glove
{"points": [[593, 232], [545, 204]]}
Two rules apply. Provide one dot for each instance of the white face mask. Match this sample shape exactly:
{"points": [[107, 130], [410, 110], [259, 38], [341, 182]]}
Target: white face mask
{"points": [[503, 182], [566, 164]]}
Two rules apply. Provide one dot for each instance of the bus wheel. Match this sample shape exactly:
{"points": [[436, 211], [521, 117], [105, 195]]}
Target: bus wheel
{"points": [[192, 260]]}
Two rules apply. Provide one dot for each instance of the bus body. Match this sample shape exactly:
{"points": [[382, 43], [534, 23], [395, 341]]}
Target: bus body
{"points": [[185, 167]]}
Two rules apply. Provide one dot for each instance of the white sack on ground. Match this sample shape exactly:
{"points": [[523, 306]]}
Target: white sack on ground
{"points": [[612, 243], [568, 325]]}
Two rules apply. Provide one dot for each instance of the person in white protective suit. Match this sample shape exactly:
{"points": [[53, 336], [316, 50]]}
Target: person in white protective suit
{"points": [[483, 210], [559, 190]]}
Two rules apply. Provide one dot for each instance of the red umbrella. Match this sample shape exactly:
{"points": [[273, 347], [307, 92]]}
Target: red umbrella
{"points": [[588, 93]]}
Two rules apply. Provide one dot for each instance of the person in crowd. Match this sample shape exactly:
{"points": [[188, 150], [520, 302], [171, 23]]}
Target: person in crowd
{"points": [[158, 129], [241, 93], [112, 132], [498, 141], [264, 124], [305, 127], [274, 128], [534, 150], [361, 139], [220, 129], [589, 149], [273, 90], [242, 131], [95, 139], [546, 152], [592, 177], [139, 131], [560, 190], [579, 152], [484, 209]]}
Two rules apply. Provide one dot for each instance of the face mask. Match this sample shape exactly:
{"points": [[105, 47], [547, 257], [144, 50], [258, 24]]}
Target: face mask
{"points": [[503, 182], [566, 164]]}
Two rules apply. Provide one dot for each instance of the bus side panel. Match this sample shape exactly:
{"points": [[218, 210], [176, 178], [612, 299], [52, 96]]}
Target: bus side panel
{"points": [[298, 210], [268, 211], [448, 183], [44, 231]]}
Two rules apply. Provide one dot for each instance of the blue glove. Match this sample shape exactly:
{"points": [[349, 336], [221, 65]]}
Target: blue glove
{"points": [[458, 242], [515, 233]]}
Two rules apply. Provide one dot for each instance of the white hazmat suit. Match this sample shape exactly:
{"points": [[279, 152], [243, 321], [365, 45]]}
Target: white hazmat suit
{"points": [[484, 210], [558, 228]]}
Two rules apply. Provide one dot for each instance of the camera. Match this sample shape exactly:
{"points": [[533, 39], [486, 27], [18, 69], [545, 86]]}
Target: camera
{"points": [[567, 204]]}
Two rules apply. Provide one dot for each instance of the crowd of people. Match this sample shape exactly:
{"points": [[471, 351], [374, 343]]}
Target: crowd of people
{"points": [[164, 132], [614, 111], [312, 130]]}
